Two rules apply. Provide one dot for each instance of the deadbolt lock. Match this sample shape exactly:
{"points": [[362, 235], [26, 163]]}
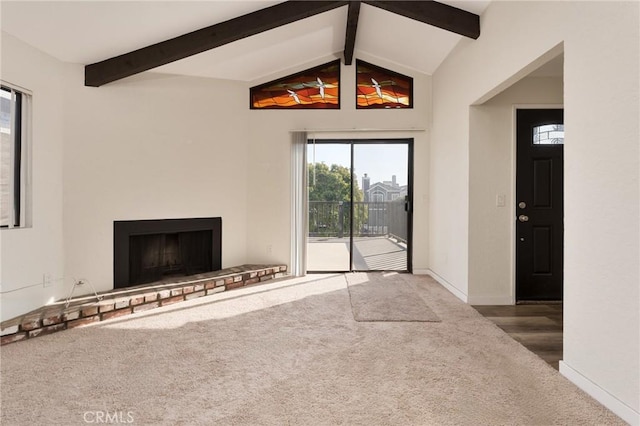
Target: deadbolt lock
{"points": [[522, 204]]}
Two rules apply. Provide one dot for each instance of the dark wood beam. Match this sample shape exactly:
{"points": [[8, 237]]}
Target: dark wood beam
{"points": [[202, 40], [352, 29], [433, 13]]}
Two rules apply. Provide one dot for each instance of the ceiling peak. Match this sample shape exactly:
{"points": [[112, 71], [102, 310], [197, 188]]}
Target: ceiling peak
{"points": [[430, 12]]}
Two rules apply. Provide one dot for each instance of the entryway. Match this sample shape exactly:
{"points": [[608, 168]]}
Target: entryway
{"points": [[360, 194], [539, 204]]}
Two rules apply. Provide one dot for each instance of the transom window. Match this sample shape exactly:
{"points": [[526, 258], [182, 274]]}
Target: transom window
{"points": [[378, 87], [315, 88], [548, 134]]}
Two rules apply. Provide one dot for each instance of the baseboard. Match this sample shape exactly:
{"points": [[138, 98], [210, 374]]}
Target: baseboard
{"points": [[618, 407], [491, 300], [460, 295]]}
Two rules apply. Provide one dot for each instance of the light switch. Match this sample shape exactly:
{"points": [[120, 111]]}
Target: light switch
{"points": [[500, 200]]}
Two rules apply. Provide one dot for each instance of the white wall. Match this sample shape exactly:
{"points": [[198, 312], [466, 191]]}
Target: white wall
{"points": [[28, 254], [492, 173], [152, 147], [602, 304], [602, 207], [269, 217]]}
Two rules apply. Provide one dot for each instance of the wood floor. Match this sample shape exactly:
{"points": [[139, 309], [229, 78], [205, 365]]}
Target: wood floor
{"points": [[538, 327]]}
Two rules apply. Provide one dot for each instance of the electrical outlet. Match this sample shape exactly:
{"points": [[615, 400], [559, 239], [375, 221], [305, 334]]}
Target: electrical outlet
{"points": [[269, 248], [47, 280]]}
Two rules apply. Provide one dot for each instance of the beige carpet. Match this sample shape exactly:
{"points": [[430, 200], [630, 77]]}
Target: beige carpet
{"points": [[386, 297], [289, 353]]}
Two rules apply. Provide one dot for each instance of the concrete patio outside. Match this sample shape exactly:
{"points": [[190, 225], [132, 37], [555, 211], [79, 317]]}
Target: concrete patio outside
{"points": [[378, 253]]}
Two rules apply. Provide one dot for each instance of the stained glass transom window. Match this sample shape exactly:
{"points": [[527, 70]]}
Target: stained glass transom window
{"points": [[315, 88], [381, 88], [548, 134]]}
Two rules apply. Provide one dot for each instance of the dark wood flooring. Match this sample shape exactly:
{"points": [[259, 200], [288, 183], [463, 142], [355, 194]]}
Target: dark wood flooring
{"points": [[538, 327]]}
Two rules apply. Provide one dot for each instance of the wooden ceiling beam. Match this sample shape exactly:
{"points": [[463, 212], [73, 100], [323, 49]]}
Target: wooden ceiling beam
{"points": [[204, 39], [352, 29], [433, 13]]}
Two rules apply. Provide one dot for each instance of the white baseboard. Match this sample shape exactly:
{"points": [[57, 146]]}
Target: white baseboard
{"points": [[471, 300], [460, 295], [618, 407]]}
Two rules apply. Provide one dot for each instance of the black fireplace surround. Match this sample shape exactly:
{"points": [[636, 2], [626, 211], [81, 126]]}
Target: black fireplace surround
{"points": [[147, 250]]}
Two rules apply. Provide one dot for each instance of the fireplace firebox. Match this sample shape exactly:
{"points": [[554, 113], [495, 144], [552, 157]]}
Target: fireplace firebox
{"points": [[151, 250]]}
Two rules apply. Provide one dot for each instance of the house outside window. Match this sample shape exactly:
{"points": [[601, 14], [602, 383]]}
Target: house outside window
{"points": [[15, 161], [377, 197]]}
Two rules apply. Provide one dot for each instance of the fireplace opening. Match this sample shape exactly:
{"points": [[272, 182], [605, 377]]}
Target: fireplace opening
{"points": [[153, 257], [150, 250], [171, 258]]}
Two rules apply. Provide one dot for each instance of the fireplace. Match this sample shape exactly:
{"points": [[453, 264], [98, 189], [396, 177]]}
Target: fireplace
{"points": [[151, 250]]}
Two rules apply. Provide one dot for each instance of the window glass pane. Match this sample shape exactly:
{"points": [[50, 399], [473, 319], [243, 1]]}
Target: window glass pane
{"points": [[378, 87], [548, 134], [5, 157], [14, 164], [315, 88]]}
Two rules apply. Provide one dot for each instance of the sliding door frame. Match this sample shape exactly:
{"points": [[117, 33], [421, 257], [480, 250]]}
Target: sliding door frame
{"points": [[409, 202]]}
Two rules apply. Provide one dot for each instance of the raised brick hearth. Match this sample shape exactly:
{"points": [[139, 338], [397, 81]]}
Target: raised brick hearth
{"points": [[86, 310]]}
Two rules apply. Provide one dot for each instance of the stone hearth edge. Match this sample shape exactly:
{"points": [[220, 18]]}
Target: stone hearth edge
{"points": [[85, 310]]}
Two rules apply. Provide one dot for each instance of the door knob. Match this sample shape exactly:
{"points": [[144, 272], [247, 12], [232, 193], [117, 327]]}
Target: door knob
{"points": [[523, 218]]}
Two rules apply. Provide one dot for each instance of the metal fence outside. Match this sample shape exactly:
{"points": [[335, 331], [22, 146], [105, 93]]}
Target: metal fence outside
{"points": [[333, 219]]}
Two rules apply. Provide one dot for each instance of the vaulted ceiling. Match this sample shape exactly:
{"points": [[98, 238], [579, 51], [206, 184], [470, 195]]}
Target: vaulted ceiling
{"points": [[90, 32]]}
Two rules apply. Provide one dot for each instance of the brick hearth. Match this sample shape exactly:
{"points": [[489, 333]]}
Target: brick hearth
{"points": [[86, 310]]}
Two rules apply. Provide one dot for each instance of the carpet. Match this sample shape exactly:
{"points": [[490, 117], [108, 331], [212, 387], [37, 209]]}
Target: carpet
{"points": [[288, 353], [386, 297]]}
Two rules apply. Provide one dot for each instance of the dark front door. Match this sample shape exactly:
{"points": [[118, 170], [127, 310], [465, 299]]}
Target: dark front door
{"points": [[539, 204]]}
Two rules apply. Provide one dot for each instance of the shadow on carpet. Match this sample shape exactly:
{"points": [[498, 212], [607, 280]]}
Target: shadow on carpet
{"points": [[386, 297]]}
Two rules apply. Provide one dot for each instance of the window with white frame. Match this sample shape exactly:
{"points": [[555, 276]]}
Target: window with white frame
{"points": [[377, 197], [15, 129]]}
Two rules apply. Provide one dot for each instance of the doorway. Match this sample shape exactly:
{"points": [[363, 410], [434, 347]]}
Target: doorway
{"points": [[359, 205], [539, 204]]}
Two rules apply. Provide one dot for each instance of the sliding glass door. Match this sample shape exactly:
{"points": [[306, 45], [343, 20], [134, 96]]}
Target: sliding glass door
{"points": [[359, 205], [329, 247]]}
